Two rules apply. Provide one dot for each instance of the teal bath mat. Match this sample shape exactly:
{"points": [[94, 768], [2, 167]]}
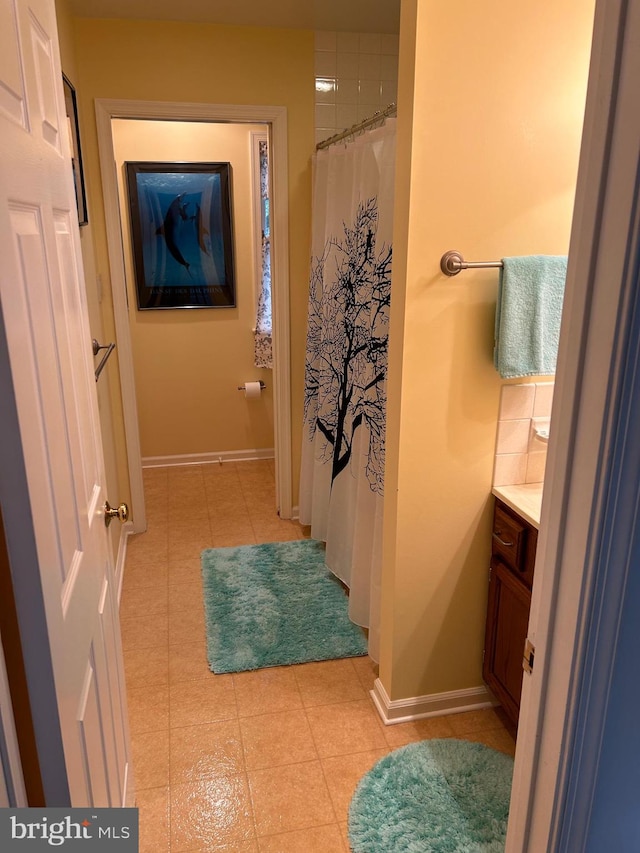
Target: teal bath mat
{"points": [[274, 604], [435, 796]]}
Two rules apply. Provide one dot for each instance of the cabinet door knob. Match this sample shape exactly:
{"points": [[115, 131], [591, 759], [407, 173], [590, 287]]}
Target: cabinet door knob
{"points": [[503, 541]]}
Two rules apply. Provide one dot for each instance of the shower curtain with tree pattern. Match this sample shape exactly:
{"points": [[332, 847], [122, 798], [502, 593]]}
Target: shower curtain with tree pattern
{"points": [[342, 475]]}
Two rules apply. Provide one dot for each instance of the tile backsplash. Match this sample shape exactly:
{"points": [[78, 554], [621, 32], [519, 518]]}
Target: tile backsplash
{"points": [[356, 75], [525, 416]]}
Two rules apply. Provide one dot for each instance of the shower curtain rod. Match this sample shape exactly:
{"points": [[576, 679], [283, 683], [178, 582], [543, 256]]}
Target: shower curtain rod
{"points": [[391, 110]]}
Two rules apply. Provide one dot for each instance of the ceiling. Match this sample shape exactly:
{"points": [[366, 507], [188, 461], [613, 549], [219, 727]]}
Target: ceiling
{"points": [[369, 16]]}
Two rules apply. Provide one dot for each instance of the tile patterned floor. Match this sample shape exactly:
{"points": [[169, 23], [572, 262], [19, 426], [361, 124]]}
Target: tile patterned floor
{"points": [[257, 762]]}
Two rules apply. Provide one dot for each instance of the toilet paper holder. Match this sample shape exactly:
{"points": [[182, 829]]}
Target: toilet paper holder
{"points": [[262, 386]]}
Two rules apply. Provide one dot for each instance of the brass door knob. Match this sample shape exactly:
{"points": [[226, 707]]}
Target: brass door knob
{"points": [[110, 512]]}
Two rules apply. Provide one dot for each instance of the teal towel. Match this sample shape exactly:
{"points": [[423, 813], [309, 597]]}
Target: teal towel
{"points": [[528, 313]]}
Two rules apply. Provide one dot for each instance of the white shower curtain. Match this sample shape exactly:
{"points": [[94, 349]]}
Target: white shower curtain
{"points": [[342, 476]]}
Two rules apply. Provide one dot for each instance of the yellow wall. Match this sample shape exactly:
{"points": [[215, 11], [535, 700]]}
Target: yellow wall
{"points": [[189, 363], [110, 424], [65, 38], [203, 63], [490, 107]]}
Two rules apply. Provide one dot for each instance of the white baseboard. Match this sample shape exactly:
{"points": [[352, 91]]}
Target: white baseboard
{"points": [[434, 705], [125, 531], [207, 458], [295, 513]]}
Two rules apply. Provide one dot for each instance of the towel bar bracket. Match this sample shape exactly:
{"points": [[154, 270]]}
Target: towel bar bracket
{"points": [[451, 263]]}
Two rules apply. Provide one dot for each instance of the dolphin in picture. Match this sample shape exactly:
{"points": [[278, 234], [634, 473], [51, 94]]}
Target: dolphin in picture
{"points": [[201, 230], [170, 229]]}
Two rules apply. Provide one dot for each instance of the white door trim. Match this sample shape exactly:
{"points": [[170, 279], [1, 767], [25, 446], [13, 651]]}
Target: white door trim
{"points": [[591, 363], [276, 118], [12, 790]]}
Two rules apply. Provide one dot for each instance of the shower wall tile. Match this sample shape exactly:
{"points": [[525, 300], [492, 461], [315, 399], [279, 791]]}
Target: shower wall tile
{"points": [[389, 67], [346, 114], [369, 66], [325, 115], [326, 63], [358, 70], [347, 91], [348, 42], [347, 65], [389, 44], [325, 40], [370, 43], [326, 90], [389, 90], [369, 91]]}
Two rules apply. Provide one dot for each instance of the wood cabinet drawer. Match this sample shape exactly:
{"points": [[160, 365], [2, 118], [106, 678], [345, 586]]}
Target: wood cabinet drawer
{"points": [[508, 538], [515, 542]]}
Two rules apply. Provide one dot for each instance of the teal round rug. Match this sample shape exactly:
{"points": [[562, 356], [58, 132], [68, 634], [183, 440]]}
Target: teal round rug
{"points": [[434, 796]]}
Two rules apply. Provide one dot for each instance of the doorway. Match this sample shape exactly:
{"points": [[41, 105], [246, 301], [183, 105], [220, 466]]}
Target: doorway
{"points": [[274, 119], [190, 362]]}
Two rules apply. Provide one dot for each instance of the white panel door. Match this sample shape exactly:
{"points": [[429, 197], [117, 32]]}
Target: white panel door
{"points": [[44, 312]]}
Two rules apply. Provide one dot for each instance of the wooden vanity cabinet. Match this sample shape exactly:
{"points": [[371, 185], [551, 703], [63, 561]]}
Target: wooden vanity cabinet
{"points": [[513, 554]]}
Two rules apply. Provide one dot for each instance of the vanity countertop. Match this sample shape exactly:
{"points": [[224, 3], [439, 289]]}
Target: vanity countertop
{"points": [[525, 499]]}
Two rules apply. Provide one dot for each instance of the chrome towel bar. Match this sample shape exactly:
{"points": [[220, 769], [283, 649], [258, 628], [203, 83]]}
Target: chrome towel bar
{"points": [[96, 349]]}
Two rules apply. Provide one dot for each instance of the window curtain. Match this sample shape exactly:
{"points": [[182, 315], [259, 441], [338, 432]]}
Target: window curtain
{"points": [[263, 348], [342, 473]]}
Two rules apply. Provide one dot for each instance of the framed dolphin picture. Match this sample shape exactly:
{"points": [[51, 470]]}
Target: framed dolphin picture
{"points": [[182, 236]]}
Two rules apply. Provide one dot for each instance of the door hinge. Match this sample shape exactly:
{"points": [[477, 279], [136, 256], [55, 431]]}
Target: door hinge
{"points": [[529, 656]]}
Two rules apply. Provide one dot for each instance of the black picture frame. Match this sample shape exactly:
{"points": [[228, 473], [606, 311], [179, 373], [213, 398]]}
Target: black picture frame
{"points": [[182, 236], [71, 107]]}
